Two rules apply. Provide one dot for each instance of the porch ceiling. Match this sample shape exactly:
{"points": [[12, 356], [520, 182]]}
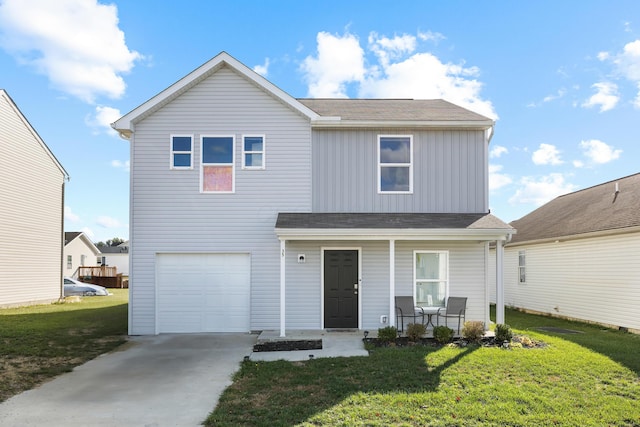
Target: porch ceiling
{"points": [[387, 226]]}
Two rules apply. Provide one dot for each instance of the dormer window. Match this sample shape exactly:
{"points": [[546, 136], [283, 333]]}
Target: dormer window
{"points": [[395, 164]]}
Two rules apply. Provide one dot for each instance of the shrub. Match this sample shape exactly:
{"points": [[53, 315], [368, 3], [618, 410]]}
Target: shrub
{"points": [[442, 334], [473, 330], [387, 334], [503, 333], [415, 331]]}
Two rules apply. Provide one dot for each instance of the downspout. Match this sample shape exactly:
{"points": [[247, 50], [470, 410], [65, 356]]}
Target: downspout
{"points": [[62, 260]]}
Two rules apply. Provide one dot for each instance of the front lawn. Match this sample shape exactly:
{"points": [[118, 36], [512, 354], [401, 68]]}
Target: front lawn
{"points": [[40, 342], [585, 379]]}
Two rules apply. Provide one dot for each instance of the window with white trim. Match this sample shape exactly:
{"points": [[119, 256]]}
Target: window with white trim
{"points": [[522, 267], [253, 152], [69, 262], [431, 278], [395, 164], [181, 147], [218, 167]]}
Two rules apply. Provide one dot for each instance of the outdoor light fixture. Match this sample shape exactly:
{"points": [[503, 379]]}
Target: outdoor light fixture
{"points": [[366, 333]]}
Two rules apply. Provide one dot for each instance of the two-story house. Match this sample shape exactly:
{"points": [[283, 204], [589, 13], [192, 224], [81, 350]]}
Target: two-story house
{"points": [[253, 210]]}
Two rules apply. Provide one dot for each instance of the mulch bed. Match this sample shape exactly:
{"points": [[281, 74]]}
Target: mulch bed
{"points": [[520, 341], [288, 345]]}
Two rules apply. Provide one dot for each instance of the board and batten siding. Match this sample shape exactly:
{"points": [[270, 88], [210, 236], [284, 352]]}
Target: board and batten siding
{"points": [[169, 214], [595, 279], [31, 209], [449, 172]]}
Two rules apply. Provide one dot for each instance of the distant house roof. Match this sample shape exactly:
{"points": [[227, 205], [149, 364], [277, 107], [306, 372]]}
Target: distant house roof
{"points": [[595, 209], [373, 225], [70, 236], [114, 249]]}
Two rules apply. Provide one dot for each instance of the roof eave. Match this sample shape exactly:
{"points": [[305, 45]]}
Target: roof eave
{"points": [[393, 233], [334, 122]]}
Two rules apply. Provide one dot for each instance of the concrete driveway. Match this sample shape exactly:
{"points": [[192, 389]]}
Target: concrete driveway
{"points": [[164, 380]]}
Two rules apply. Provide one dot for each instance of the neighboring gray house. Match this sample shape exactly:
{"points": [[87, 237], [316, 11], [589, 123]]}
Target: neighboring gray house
{"points": [[115, 256], [253, 210], [578, 256], [31, 212], [79, 251]]}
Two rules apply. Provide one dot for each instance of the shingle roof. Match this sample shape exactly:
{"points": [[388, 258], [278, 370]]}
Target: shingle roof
{"points": [[392, 109], [593, 209], [389, 221], [70, 235]]}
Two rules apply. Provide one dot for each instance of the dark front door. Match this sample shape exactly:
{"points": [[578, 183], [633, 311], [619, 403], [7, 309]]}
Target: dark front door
{"points": [[341, 289]]}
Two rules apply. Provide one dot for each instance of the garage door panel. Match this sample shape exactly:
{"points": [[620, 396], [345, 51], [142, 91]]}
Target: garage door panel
{"points": [[203, 292]]}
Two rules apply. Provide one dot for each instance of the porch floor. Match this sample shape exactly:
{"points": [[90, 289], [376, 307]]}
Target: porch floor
{"points": [[334, 344]]}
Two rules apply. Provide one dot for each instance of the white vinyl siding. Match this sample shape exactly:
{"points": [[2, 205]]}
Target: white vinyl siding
{"points": [[594, 279], [223, 104], [30, 214]]}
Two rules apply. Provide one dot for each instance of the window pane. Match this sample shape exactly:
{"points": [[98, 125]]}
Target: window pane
{"points": [[430, 294], [217, 178], [253, 143], [181, 143], [253, 160], [217, 150], [395, 150], [395, 178], [431, 266], [182, 160]]}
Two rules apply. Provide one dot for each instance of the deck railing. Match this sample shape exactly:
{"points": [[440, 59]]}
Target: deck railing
{"points": [[97, 271]]}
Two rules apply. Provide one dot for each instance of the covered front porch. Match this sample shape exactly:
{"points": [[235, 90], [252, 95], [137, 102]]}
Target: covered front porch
{"points": [[374, 255]]}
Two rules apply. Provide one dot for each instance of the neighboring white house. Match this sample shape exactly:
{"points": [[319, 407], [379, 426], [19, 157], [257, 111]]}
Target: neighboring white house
{"points": [[115, 256], [31, 212], [254, 210], [578, 256], [79, 251]]}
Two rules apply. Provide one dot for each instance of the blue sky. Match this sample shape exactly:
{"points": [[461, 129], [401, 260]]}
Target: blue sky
{"points": [[562, 79]]}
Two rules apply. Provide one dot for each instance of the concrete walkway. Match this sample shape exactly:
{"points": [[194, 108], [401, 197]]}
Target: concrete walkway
{"points": [[164, 380]]}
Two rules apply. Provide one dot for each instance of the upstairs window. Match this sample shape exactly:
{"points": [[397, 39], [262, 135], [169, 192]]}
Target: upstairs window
{"points": [[253, 152], [69, 262], [395, 164], [181, 152], [217, 164]]}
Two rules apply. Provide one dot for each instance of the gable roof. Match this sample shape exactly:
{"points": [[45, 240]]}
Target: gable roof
{"points": [[408, 112], [595, 209], [125, 124], [70, 236], [320, 112], [31, 129]]}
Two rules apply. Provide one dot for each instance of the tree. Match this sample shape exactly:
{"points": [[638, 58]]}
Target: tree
{"points": [[111, 242]]}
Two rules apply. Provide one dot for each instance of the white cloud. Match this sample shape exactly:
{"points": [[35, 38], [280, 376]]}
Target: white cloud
{"points": [[497, 180], [77, 44], [547, 154], [578, 164], [627, 63], [497, 151], [431, 36], [69, 215], [549, 98], [118, 164], [263, 69], [606, 96], [538, 191], [108, 222], [397, 70], [599, 152], [102, 119], [340, 61]]}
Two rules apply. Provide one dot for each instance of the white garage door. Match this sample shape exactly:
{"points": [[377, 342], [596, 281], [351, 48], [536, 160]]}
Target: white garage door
{"points": [[203, 292]]}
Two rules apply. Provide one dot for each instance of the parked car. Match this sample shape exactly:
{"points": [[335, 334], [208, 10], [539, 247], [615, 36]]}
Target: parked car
{"points": [[75, 287]]}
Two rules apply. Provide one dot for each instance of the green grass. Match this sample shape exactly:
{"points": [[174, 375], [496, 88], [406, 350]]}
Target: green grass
{"points": [[587, 379], [40, 342]]}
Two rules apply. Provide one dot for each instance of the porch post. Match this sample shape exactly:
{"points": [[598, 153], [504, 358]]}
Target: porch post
{"points": [[392, 282], [283, 270], [499, 281]]}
